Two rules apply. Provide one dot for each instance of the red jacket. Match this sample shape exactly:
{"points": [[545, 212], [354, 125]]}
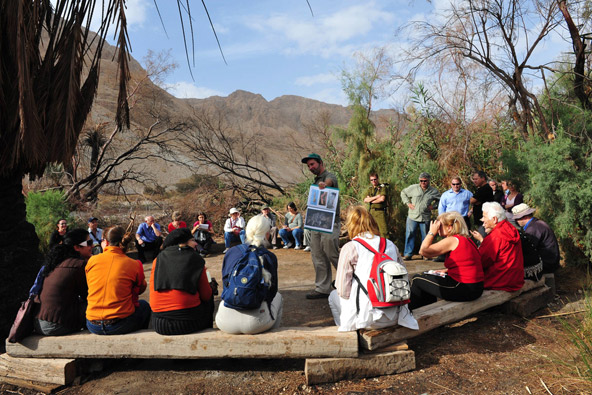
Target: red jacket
{"points": [[501, 257]]}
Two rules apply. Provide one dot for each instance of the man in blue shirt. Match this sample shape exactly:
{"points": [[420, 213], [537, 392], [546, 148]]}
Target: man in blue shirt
{"points": [[456, 199], [148, 238]]}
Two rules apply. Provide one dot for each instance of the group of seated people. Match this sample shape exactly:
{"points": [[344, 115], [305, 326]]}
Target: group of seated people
{"points": [[101, 292]]}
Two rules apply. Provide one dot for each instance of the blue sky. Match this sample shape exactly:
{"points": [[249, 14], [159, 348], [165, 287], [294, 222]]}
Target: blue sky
{"points": [[275, 48]]}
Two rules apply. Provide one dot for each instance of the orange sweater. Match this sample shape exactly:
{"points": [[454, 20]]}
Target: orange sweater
{"points": [[111, 276], [174, 299]]}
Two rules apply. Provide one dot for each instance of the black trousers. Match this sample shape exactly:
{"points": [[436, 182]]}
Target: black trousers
{"points": [[427, 288], [146, 246], [181, 322]]}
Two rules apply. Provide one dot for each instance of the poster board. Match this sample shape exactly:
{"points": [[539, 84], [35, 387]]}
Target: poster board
{"points": [[321, 207]]}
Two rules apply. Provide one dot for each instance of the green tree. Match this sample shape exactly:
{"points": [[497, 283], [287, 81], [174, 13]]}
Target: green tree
{"points": [[44, 210]]}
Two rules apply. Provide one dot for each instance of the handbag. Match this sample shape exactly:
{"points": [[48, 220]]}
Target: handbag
{"points": [[23, 323]]}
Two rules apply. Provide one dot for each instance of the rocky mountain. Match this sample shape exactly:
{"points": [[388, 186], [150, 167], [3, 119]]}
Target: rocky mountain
{"points": [[281, 128]]}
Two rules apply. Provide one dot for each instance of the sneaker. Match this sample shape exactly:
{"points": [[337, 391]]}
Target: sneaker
{"points": [[275, 247], [225, 250], [407, 257], [316, 295], [286, 247], [297, 248], [307, 249]]}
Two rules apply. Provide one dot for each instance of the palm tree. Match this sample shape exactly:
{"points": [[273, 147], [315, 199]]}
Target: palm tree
{"points": [[49, 73]]}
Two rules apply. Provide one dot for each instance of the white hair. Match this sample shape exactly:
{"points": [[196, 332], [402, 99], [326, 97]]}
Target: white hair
{"points": [[494, 209], [256, 229]]}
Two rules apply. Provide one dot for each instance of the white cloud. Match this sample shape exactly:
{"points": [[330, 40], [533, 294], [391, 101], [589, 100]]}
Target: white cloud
{"points": [[310, 80], [187, 90], [325, 36], [136, 12], [330, 95]]}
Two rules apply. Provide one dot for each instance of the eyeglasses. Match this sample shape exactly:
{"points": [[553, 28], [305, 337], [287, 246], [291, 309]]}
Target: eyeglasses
{"points": [[424, 180], [456, 184], [86, 243]]}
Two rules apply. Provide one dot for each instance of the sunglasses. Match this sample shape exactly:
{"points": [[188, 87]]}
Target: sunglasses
{"points": [[455, 184], [86, 243], [424, 180]]}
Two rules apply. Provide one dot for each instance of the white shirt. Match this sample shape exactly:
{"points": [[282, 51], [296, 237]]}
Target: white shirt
{"points": [[355, 256]]}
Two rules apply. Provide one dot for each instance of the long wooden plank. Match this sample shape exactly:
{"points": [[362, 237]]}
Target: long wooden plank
{"points": [[301, 342], [52, 371], [330, 370], [439, 314]]}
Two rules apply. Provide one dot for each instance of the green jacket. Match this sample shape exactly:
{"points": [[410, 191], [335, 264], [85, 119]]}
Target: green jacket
{"points": [[421, 200]]}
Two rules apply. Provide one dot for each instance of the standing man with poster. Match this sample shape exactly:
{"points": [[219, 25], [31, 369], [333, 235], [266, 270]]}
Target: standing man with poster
{"points": [[324, 246]]}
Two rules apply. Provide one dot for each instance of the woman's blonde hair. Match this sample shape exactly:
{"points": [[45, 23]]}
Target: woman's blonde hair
{"points": [[256, 229], [454, 219], [360, 221], [176, 216], [117, 237]]}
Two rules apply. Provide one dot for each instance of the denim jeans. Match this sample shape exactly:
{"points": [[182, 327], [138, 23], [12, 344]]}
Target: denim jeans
{"points": [[229, 237], [138, 320], [410, 229], [289, 235]]}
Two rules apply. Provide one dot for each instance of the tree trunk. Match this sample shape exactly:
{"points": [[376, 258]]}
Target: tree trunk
{"points": [[579, 49], [19, 254]]}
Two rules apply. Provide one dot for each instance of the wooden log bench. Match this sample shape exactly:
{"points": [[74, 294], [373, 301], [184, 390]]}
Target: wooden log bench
{"points": [[300, 342], [438, 314], [330, 355]]}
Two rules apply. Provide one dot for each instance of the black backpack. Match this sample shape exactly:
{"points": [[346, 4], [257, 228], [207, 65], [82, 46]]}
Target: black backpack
{"points": [[533, 263]]}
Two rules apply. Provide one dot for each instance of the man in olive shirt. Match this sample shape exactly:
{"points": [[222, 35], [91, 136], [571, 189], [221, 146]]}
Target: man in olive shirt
{"points": [[324, 247], [376, 199], [421, 199]]}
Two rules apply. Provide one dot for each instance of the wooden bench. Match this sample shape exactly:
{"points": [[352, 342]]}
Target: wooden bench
{"points": [[302, 342], [330, 355], [438, 314]]}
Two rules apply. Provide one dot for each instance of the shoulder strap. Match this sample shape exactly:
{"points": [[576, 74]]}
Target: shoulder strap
{"points": [[381, 246]]}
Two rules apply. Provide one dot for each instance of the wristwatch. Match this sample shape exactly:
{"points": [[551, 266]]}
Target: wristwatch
{"points": [[430, 233]]}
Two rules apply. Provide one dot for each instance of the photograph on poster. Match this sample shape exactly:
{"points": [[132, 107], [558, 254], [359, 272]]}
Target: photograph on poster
{"points": [[320, 213], [323, 198], [331, 201], [313, 197], [319, 220]]}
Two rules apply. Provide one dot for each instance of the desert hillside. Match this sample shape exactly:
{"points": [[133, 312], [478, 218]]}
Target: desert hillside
{"points": [[280, 127]]}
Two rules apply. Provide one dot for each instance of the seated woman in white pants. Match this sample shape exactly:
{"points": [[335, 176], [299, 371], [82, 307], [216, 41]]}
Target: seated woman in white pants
{"points": [[354, 258], [257, 320]]}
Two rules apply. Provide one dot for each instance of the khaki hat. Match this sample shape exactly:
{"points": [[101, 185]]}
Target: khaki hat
{"points": [[522, 210], [232, 211]]}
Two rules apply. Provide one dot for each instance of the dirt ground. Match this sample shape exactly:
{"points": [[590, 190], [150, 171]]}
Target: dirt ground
{"points": [[490, 352]]}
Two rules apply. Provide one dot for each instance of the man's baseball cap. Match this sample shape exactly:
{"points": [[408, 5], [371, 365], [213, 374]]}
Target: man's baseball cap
{"points": [[265, 207], [314, 156], [91, 219]]}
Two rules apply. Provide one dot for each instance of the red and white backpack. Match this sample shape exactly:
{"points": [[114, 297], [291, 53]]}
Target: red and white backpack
{"points": [[388, 283]]}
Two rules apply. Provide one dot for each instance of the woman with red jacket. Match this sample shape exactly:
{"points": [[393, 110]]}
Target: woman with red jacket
{"points": [[462, 279]]}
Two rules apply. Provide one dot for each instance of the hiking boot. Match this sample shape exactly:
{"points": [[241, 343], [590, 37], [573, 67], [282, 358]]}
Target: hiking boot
{"points": [[316, 295], [408, 257]]}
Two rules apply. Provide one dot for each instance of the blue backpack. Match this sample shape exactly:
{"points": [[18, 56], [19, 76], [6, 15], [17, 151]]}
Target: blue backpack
{"points": [[242, 277]]}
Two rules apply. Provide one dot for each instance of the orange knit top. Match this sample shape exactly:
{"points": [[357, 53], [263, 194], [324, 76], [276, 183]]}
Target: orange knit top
{"points": [[111, 277]]}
